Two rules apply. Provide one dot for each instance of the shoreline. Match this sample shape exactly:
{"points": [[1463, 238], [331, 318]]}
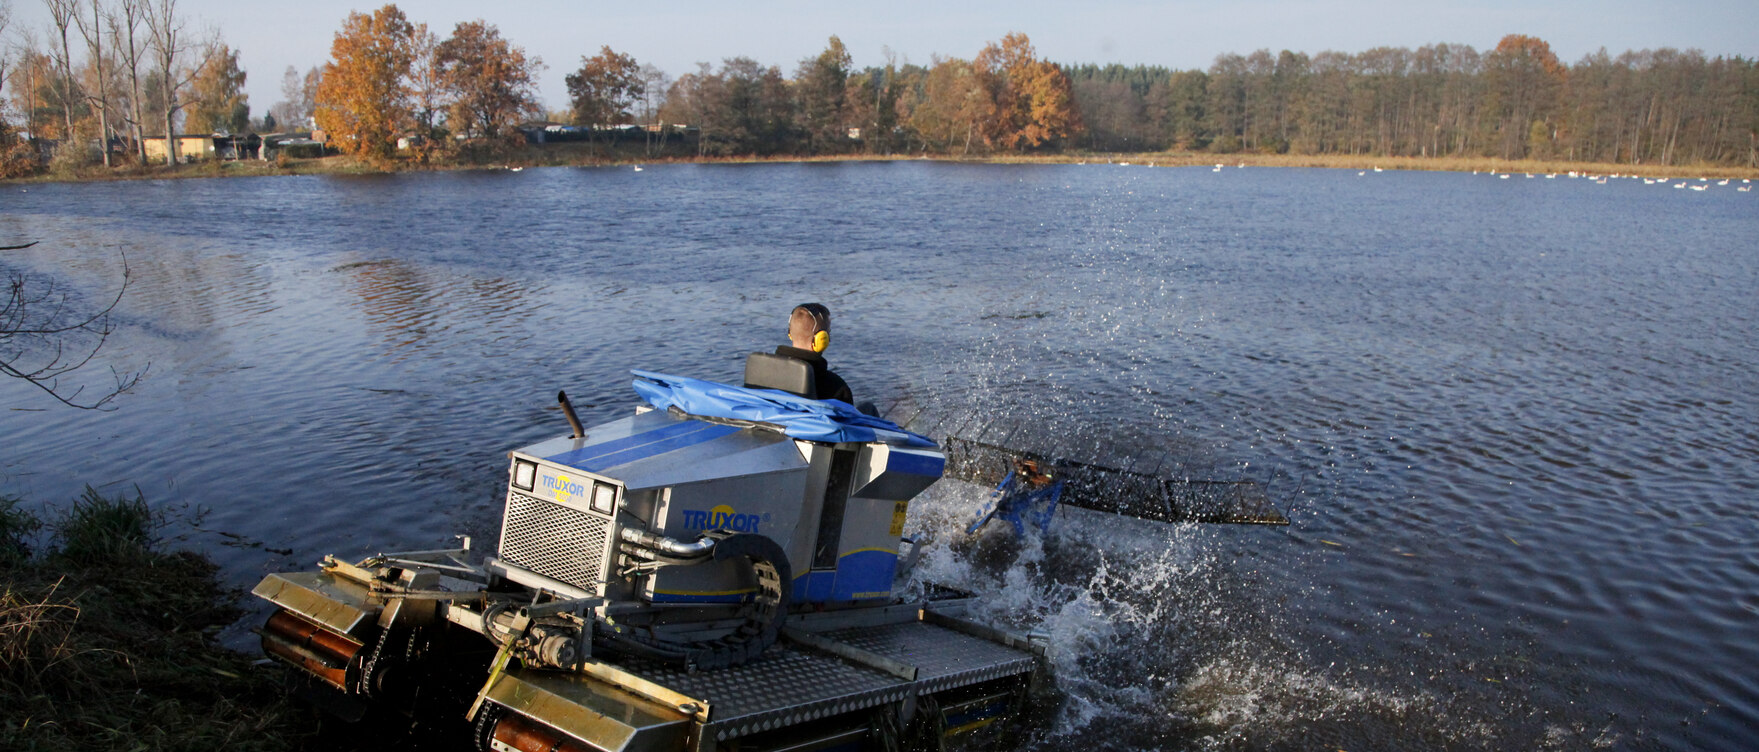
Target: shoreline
{"points": [[532, 157]]}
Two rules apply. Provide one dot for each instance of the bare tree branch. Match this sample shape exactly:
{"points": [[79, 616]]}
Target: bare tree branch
{"points": [[45, 336]]}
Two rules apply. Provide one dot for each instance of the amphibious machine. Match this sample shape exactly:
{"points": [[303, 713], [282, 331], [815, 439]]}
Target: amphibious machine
{"points": [[713, 572]]}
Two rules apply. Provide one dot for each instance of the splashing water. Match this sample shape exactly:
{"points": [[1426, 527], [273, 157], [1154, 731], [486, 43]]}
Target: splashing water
{"points": [[1161, 635]]}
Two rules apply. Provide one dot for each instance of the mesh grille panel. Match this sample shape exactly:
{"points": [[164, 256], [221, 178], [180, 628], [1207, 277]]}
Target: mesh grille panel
{"points": [[554, 541]]}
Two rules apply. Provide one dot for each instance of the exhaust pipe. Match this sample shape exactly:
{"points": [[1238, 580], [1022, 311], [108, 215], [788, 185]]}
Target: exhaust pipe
{"points": [[568, 410]]}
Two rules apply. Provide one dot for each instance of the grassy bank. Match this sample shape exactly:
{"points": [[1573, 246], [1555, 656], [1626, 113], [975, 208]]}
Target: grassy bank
{"points": [[107, 642], [583, 155]]}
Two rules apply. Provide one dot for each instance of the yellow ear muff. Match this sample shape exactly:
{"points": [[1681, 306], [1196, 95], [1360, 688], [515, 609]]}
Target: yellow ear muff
{"points": [[821, 341]]}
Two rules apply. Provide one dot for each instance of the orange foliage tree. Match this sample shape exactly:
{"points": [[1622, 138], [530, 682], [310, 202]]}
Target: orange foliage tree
{"points": [[952, 106], [219, 102], [490, 80], [1030, 99], [363, 98]]}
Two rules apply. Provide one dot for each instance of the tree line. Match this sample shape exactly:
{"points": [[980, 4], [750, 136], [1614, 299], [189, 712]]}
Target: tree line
{"points": [[392, 87], [114, 71], [1516, 101], [389, 80]]}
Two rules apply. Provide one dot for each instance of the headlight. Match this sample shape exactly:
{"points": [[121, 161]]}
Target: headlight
{"points": [[604, 498], [524, 474]]}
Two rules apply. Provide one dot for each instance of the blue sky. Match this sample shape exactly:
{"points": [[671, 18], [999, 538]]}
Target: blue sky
{"points": [[676, 34]]}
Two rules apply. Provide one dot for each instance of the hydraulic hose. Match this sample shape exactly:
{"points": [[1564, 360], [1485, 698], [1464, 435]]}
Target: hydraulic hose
{"points": [[673, 547], [761, 616]]}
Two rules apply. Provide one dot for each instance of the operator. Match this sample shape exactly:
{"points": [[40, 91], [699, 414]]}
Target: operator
{"points": [[809, 332]]}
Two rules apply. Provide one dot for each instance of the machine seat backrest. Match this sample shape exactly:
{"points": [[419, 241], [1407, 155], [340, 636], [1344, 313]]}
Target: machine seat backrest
{"points": [[771, 371]]}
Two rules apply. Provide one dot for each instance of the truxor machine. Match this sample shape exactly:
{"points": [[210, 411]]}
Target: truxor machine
{"points": [[714, 572]]}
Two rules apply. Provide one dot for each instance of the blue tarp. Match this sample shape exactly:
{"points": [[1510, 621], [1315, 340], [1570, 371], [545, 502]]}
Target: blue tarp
{"points": [[801, 418]]}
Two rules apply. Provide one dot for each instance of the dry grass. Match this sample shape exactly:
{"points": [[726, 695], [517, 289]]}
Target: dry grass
{"points": [[106, 643], [36, 635]]}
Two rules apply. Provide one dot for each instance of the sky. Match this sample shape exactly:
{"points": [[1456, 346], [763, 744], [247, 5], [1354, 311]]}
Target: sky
{"points": [[677, 34]]}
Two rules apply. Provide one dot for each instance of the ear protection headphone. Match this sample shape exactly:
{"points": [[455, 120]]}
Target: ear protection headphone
{"points": [[821, 317]]}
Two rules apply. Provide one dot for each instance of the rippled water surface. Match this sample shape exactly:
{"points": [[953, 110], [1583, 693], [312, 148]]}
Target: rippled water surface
{"points": [[1513, 421]]}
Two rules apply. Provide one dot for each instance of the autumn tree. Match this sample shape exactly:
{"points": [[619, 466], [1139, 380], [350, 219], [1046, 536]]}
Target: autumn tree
{"points": [[220, 103], [1524, 81], [744, 108], [604, 89], [871, 101], [1030, 101], [363, 95], [37, 93], [952, 106], [428, 98], [492, 84], [819, 86]]}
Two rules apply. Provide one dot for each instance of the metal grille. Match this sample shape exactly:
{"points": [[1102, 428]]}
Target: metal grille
{"points": [[554, 541]]}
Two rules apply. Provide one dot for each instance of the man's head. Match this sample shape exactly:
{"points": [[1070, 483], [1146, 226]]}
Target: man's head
{"points": [[809, 327]]}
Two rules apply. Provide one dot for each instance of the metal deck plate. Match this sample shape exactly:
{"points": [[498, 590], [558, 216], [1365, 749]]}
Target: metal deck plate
{"points": [[786, 686], [943, 658], [790, 685]]}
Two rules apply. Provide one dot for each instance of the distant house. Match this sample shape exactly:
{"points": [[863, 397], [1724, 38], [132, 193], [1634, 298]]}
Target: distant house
{"points": [[237, 146], [300, 145], [190, 147]]}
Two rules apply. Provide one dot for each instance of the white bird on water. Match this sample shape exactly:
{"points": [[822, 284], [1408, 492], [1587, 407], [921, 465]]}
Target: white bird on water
{"points": [[638, 168]]}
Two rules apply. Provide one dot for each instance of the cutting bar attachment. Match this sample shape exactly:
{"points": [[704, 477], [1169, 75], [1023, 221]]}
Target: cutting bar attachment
{"points": [[1102, 488]]}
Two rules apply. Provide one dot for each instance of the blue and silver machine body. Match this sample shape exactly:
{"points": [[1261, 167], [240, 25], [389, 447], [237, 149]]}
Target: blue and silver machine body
{"points": [[836, 509]]}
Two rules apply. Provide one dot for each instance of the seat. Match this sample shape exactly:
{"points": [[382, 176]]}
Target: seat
{"points": [[780, 372]]}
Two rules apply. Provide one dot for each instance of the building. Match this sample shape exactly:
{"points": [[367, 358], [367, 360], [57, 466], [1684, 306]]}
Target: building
{"points": [[190, 147], [193, 147]]}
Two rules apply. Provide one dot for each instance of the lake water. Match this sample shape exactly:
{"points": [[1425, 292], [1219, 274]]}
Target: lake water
{"points": [[1513, 421]]}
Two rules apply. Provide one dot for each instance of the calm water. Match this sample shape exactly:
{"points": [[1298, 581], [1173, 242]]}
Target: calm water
{"points": [[1512, 420]]}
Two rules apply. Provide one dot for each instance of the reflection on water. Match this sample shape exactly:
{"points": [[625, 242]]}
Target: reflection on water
{"points": [[1511, 420]]}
